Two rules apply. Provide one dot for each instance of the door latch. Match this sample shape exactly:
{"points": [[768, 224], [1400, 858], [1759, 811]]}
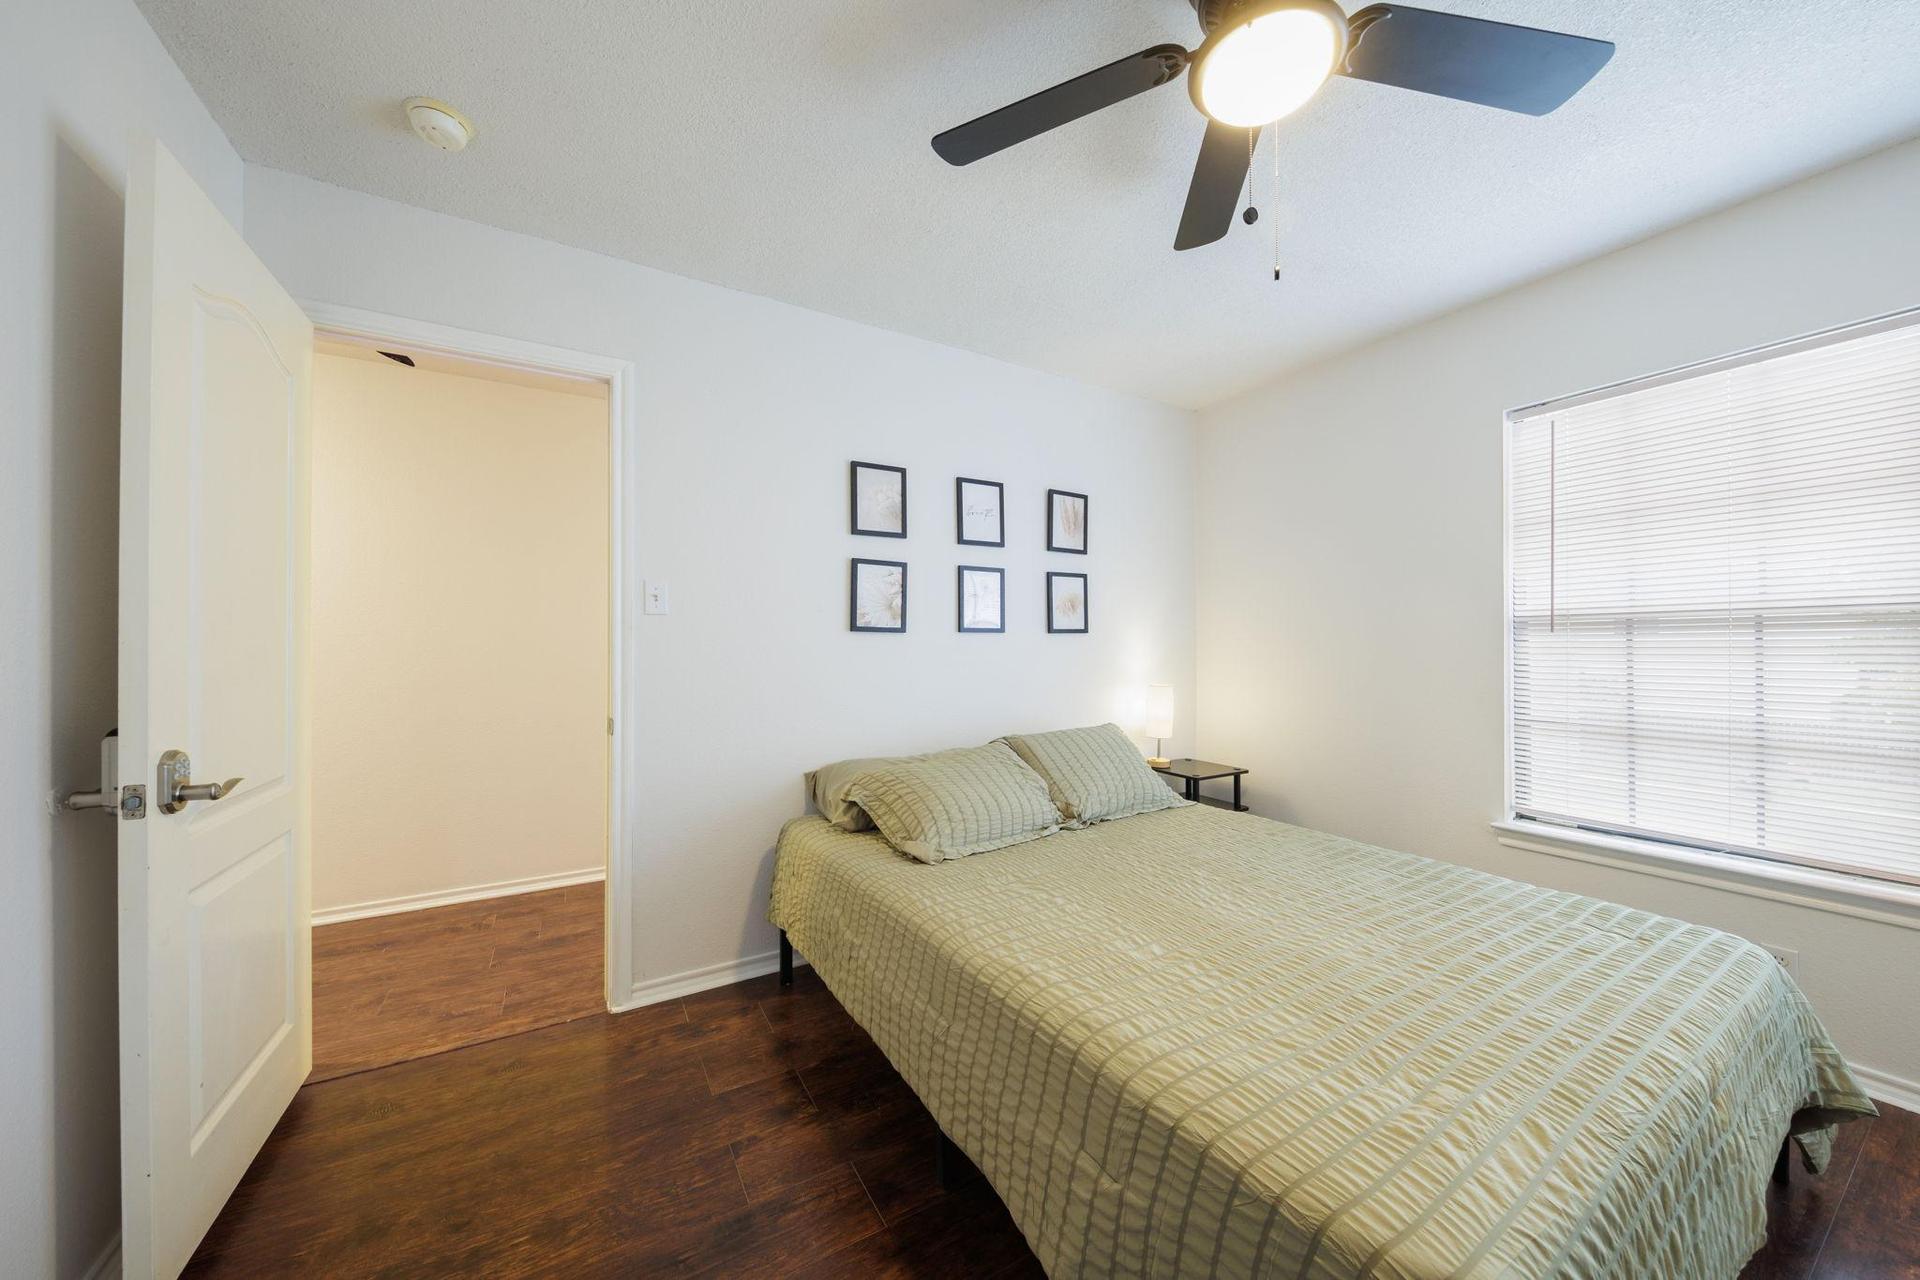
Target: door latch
{"points": [[103, 798]]}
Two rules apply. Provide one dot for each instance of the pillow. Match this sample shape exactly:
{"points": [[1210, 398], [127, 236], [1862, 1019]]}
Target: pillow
{"points": [[1094, 774], [953, 803], [828, 786]]}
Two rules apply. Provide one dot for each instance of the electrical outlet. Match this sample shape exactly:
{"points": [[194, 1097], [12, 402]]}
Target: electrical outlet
{"points": [[654, 598], [1789, 959]]}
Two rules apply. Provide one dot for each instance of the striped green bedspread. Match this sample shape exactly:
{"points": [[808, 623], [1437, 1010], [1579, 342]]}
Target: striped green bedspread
{"points": [[1195, 1043]]}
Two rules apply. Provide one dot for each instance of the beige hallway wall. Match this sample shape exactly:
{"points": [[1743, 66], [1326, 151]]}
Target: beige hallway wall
{"points": [[460, 631]]}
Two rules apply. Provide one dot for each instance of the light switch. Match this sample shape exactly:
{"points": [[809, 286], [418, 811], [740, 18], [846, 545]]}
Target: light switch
{"points": [[655, 598]]}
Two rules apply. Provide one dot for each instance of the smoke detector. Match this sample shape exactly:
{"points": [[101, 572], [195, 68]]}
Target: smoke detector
{"points": [[439, 124]]}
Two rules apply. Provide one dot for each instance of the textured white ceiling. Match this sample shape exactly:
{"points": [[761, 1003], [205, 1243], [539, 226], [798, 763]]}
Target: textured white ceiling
{"points": [[781, 148]]}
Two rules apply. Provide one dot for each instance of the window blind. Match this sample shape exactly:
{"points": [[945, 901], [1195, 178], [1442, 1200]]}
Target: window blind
{"points": [[1714, 603]]}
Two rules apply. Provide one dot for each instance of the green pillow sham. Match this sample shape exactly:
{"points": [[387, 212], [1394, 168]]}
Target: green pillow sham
{"points": [[828, 785], [954, 803], [1094, 774]]}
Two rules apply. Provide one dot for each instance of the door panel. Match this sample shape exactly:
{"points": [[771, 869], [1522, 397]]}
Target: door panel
{"points": [[242, 425], [240, 997], [215, 938]]}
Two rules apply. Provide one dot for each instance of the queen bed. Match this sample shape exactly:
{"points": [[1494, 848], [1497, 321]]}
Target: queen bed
{"points": [[1196, 1043]]}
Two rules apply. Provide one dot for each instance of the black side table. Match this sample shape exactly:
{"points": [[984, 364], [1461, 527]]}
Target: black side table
{"points": [[1194, 772]]}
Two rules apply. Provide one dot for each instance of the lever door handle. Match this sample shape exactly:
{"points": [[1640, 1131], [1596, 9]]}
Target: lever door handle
{"points": [[178, 789], [204, 790]]}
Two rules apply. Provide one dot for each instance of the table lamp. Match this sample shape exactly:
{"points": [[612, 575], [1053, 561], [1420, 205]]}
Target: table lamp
{"points": [[1159, 724]]}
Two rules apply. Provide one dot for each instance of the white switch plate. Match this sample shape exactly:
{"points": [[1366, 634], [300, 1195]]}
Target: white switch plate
{"points": [[655, 598]]}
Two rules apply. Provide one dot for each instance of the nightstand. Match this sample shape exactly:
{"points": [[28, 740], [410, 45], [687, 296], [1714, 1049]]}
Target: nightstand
{"points": [[1194, 772]]}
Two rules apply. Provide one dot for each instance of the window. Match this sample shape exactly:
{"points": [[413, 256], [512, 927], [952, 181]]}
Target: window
{"points": [[1714, 605]]}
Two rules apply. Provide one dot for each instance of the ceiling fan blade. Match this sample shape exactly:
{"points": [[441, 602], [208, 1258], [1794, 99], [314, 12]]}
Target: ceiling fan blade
{"points": [[1492, 63], [1064, 103], [1218, 176]]}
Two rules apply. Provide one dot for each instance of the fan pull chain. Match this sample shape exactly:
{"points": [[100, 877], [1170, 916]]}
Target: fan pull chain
{"points": [[1252, 215], [1276, 200]]}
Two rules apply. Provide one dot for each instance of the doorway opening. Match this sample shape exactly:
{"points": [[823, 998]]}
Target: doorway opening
{"points": [[463, 687]]}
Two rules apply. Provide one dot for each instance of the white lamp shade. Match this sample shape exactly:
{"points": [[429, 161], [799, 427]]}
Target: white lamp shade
{"points": [[1159, 711]]}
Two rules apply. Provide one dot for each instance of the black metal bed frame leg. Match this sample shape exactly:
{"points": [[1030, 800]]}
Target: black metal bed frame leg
{"points": [[948, 1161], [1783, 1164], [786, 960]]}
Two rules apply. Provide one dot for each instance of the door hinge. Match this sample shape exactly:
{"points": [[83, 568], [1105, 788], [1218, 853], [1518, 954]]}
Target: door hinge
{"points": [[609, 726]]}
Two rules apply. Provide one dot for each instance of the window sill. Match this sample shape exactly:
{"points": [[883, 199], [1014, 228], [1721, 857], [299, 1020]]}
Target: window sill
{"points": [[1856, 896]]}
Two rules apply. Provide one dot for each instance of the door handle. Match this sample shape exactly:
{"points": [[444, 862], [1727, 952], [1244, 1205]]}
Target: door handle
{"points": [[205, 790], [178, 789]]}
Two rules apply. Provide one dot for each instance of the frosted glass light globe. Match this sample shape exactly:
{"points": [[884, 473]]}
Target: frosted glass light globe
{"points": [[1258, 71]]}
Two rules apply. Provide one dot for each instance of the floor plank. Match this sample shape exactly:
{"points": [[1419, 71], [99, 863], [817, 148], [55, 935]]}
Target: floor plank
{"points": [[751, 1131], [392, 988], [1800, 1214], [1876, 1231]]}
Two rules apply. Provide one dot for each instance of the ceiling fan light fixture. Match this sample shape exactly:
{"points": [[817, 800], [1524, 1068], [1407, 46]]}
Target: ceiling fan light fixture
{"points": [[1261, 59], [1266, 60]]}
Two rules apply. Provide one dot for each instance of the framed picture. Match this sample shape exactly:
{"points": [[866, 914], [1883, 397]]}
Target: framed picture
{"points": [[1066, 521], [877, 596], [978, 514], [983, 598], [879, 500], [1067, 602]]}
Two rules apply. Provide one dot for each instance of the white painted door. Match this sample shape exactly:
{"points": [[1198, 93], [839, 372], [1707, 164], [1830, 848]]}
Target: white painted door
{"points": [[215, 939]]}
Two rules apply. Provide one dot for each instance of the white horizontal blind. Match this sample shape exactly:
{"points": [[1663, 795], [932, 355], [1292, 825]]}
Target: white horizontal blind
{"points": [[1715, 607]]}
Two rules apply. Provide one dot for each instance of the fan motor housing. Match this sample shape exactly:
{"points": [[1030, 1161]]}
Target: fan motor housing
{"points": [[1213, 12]]}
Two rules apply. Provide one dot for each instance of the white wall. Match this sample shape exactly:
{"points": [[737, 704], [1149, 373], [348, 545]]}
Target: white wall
{"points": [[459, 617], [75, 77], [1349, 552], [748, 413]]}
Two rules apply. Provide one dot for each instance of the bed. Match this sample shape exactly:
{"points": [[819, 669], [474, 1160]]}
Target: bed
{"points": [[1196, 1043]]}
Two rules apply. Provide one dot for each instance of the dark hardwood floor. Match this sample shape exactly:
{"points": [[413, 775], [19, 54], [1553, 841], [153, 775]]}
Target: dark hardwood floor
{"points": [[392, 988], [749, 1131], [1860, 1220]]}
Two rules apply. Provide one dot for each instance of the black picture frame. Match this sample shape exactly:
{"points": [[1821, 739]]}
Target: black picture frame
{"points": [[960, 597], [853, 500], [1053, 497], [960, 484], [1085, 607], [853, 594]]}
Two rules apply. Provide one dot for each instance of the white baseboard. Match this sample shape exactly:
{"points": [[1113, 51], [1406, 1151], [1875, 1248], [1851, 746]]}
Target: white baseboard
{"points": [[655, 990], [1884, 1086], [107, 1265], [472, 893]]}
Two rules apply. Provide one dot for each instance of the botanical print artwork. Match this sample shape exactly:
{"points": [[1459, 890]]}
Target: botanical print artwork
{"points": [[879, 500], [1066, 602], [879, 591], [982, 598], [982, 523], [1066, 521]]}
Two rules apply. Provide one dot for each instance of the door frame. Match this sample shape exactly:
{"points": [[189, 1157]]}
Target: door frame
{"points": [[358, 325]]}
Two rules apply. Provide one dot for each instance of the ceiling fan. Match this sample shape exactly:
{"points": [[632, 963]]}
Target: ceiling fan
{"points": [[1263, 59]]}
